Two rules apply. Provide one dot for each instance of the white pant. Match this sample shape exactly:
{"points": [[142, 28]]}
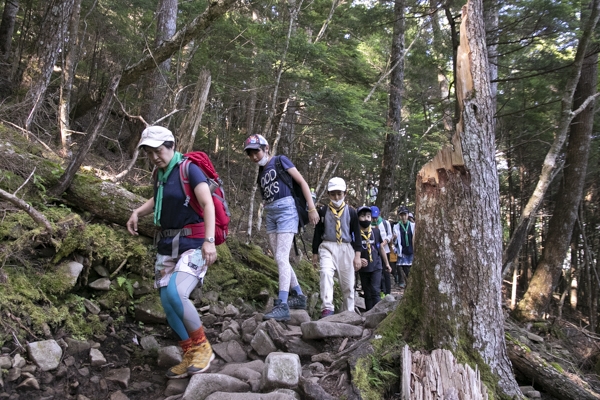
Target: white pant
{"points": [[337, 257]]}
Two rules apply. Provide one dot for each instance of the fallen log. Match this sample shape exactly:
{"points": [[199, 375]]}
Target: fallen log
{"points": [[557, 383], [104, 199]]}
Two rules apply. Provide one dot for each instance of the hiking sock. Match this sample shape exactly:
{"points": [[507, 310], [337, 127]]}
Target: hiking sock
{"points": [[283, 296]]}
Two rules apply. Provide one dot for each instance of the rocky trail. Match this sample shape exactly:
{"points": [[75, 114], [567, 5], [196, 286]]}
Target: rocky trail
{"points": [[255, 359]]}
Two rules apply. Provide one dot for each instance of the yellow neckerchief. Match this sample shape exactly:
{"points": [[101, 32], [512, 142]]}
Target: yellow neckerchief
{"points": [[337, 213], [366, 235]]}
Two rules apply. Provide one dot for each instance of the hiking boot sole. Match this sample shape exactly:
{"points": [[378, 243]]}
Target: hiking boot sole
{"points": [[180, 376], [194, 372]]}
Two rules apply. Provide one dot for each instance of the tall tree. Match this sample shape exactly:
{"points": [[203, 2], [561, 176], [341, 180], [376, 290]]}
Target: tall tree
{"points": [[539, 293], [156, 83], [68, 74], [58, 13], [551, 160], [7, 26], [458, 239], [391, 152]]}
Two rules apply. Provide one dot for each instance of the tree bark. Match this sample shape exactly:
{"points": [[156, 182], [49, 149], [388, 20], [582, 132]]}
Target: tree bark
{"points": [[552, 157], [560, 228], [68, 74], [41, 67], [7, 27], [155, 83], [66, 179], [193, 117], [391, 152], [458, 239]]}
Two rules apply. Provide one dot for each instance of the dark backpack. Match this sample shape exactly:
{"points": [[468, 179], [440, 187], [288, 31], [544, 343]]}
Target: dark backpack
{"points": [[215, 184], [295, 189]]}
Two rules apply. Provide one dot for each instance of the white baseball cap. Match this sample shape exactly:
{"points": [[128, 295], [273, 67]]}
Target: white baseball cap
{"points": [[155, 136], [336, 183]]}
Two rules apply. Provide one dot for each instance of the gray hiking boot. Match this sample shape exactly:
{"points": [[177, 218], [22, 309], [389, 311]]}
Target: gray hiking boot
{"points": [[280, 312], [296, 301]]}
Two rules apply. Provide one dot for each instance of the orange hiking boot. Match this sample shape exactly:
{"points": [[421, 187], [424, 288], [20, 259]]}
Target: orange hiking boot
{"points": [[180, 370], [202, 353]]}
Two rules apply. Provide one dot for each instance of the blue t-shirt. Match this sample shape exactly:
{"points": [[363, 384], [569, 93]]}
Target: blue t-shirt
{"points": [[174, 214], [272, 186]]}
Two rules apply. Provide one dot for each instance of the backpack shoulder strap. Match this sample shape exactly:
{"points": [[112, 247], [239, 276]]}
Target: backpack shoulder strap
{"points": [[184, 179], [285, 176]]}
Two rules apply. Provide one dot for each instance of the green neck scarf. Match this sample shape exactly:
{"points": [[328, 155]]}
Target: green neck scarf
{"points": [[404, 228], [161, 180]]}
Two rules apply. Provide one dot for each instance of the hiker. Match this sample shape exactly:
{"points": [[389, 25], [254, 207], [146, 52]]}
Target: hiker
{"points": [[336, 247], [371, 257], [404, 231], [371, 193], [386, 234], [182, 261], [281, 221]]}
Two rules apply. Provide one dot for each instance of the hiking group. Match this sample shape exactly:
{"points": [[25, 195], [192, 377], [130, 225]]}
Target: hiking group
{"points": [[190, 209]]}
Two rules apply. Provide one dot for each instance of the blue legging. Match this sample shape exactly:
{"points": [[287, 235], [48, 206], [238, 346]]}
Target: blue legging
{"points": [[181, 313]]}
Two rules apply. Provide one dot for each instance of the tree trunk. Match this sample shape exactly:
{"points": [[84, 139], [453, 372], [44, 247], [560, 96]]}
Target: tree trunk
{"points": [[66, 179], [458, 239], [537, 298], [391, 152], [7, 27], [68, 74], [58, 14], [155, 83], [193, 117], [552, 157]]}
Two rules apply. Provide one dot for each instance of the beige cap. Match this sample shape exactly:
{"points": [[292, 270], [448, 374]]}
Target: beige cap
{"points": [[336, 183], [155, 136]]}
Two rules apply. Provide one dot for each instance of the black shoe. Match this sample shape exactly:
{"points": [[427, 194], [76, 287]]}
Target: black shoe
{"points": [[296, 301], [280, 312]]}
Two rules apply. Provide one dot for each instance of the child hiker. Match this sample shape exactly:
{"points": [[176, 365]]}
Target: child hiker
{"points": [[336, 244], [281, 222]]}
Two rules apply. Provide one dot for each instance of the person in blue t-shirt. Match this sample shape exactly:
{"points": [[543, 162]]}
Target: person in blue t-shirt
{"points": [[186, 246], [281, 222]]}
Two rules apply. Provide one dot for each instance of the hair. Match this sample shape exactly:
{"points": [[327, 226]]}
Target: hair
{"points": [[263, 147], [169, 144], [363, 212]]}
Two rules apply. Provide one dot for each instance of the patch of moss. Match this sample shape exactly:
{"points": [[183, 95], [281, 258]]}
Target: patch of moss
{"points": [[110, 244], [557, 367]]}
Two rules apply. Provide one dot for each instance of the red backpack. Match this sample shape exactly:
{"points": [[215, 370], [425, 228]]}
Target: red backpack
{"points": [[222, 214], [215, 184]]}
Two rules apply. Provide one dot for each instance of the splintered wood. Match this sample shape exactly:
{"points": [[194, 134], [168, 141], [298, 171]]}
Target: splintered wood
{"points": [[437, 376], [451, 155]]}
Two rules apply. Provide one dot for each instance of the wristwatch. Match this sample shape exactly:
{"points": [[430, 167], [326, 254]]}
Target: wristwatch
{"points": [[210, 239]]}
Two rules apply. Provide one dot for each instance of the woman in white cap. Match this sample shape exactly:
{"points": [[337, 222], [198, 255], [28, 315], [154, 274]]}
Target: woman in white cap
{"points": [[281, 220], [185, 247]]}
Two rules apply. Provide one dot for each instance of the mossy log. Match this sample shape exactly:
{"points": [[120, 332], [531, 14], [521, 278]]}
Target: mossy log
{"points": [[548, 378], [105, 200]]}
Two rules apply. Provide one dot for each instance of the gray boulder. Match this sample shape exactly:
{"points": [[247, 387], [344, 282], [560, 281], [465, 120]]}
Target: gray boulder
{"points": [[203, 385], [45, 354], [282, 370], [230, 351], [323, 330]]}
